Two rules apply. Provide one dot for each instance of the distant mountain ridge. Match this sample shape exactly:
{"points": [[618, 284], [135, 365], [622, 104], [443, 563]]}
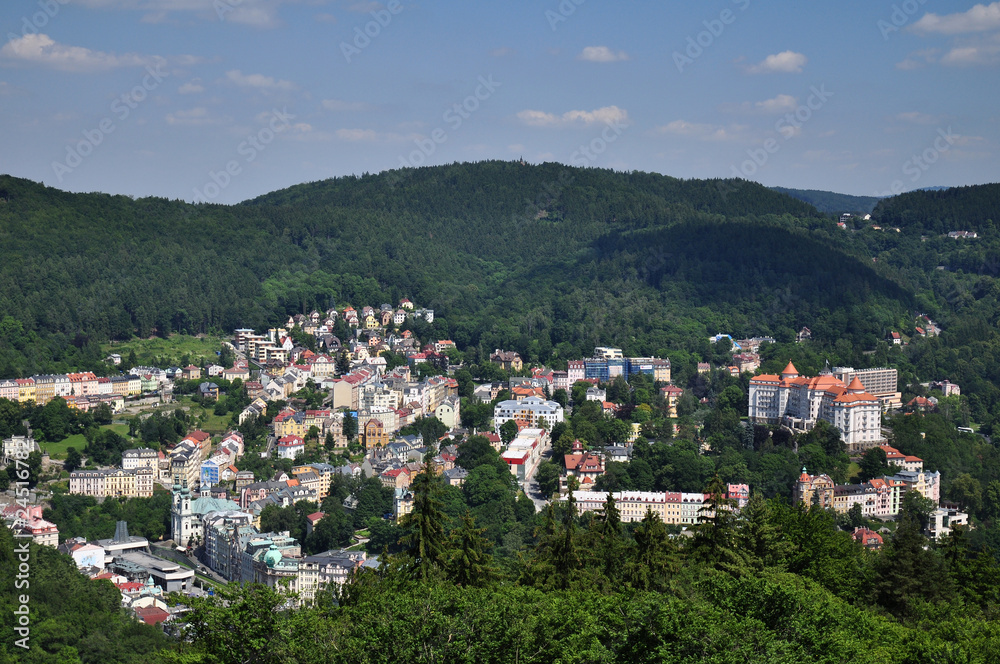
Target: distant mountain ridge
{"points": [[546, 259], [972, 208], [831, 202]]}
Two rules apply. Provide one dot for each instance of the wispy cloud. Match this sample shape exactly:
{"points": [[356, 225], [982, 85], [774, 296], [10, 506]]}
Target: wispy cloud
{"points": [[787, 62], [916, 117], [193, 86], [256, 13], [534, 118], [339, 105], [601, 54], [778, 104], [979, 51], [981, 18], [194, 117], [40, 49], [702, 131], [372, 136], [258, 81]]}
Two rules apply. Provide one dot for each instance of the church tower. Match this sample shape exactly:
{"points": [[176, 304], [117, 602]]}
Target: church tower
{"points": [[180, 513]]}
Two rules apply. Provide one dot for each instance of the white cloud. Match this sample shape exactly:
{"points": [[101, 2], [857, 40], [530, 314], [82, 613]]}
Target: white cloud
{"points": [[194, 117], [516, 147], [325, 18], [41, 50], [355, 135], [191, 87], [502, 52], [778, 104], [984, 52], [601, 54], [701, 131], [916, 117], [919, 59], [981, 18], [788, 62], [257, 13], [341, 105], [258, 81], [607, 114]]}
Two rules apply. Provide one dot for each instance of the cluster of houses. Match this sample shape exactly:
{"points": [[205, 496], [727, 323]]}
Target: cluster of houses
{"points": [[672, 507], [142, 577], [372, 329], [86, 391], [191, 459], [882, 497], [83, 391], [234, 546]]}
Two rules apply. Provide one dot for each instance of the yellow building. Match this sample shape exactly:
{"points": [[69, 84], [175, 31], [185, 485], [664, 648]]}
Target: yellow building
{"points": [[375, 434], [814, 489], [290, 423], [25, 390]]}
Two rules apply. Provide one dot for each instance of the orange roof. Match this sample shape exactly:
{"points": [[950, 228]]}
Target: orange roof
{"points": [[790, 369], [854, 399], [856, 385]]}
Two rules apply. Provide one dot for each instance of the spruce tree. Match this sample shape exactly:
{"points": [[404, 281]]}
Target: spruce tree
{"points": [[425, 539], [654, 558], [759, 538], [469, 561]]}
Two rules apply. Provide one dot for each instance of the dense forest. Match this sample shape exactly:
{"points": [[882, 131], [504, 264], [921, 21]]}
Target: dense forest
{"points": [[830, 202], [546, 260], [971, 208], [776, 584]]}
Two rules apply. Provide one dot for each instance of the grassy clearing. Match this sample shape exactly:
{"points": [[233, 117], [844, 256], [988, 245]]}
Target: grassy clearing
{"points": [[176, 346], [58, 450]]}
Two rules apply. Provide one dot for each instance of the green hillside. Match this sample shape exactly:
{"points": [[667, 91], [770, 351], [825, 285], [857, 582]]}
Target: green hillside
{"points": [[505, 253], [830, 202], [972, 208]]}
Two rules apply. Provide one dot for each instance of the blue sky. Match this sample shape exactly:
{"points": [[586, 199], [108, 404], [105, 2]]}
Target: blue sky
{"points": [[223, 100]]}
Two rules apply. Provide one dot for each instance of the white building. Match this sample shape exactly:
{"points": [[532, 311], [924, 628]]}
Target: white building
{"points": [[142, 457], [528, 410], [799, 402]]}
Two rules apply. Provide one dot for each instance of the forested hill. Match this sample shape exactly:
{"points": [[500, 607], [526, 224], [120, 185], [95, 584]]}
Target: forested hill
{"points": [[499, 189], [549, 260], [972, 208], [831, 202]]}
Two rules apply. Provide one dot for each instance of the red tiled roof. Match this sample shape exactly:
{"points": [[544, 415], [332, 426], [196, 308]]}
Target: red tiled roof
{"points": [[151, 615]]}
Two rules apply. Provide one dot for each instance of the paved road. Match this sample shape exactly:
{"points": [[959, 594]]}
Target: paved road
{"points": [[531, 486]]}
